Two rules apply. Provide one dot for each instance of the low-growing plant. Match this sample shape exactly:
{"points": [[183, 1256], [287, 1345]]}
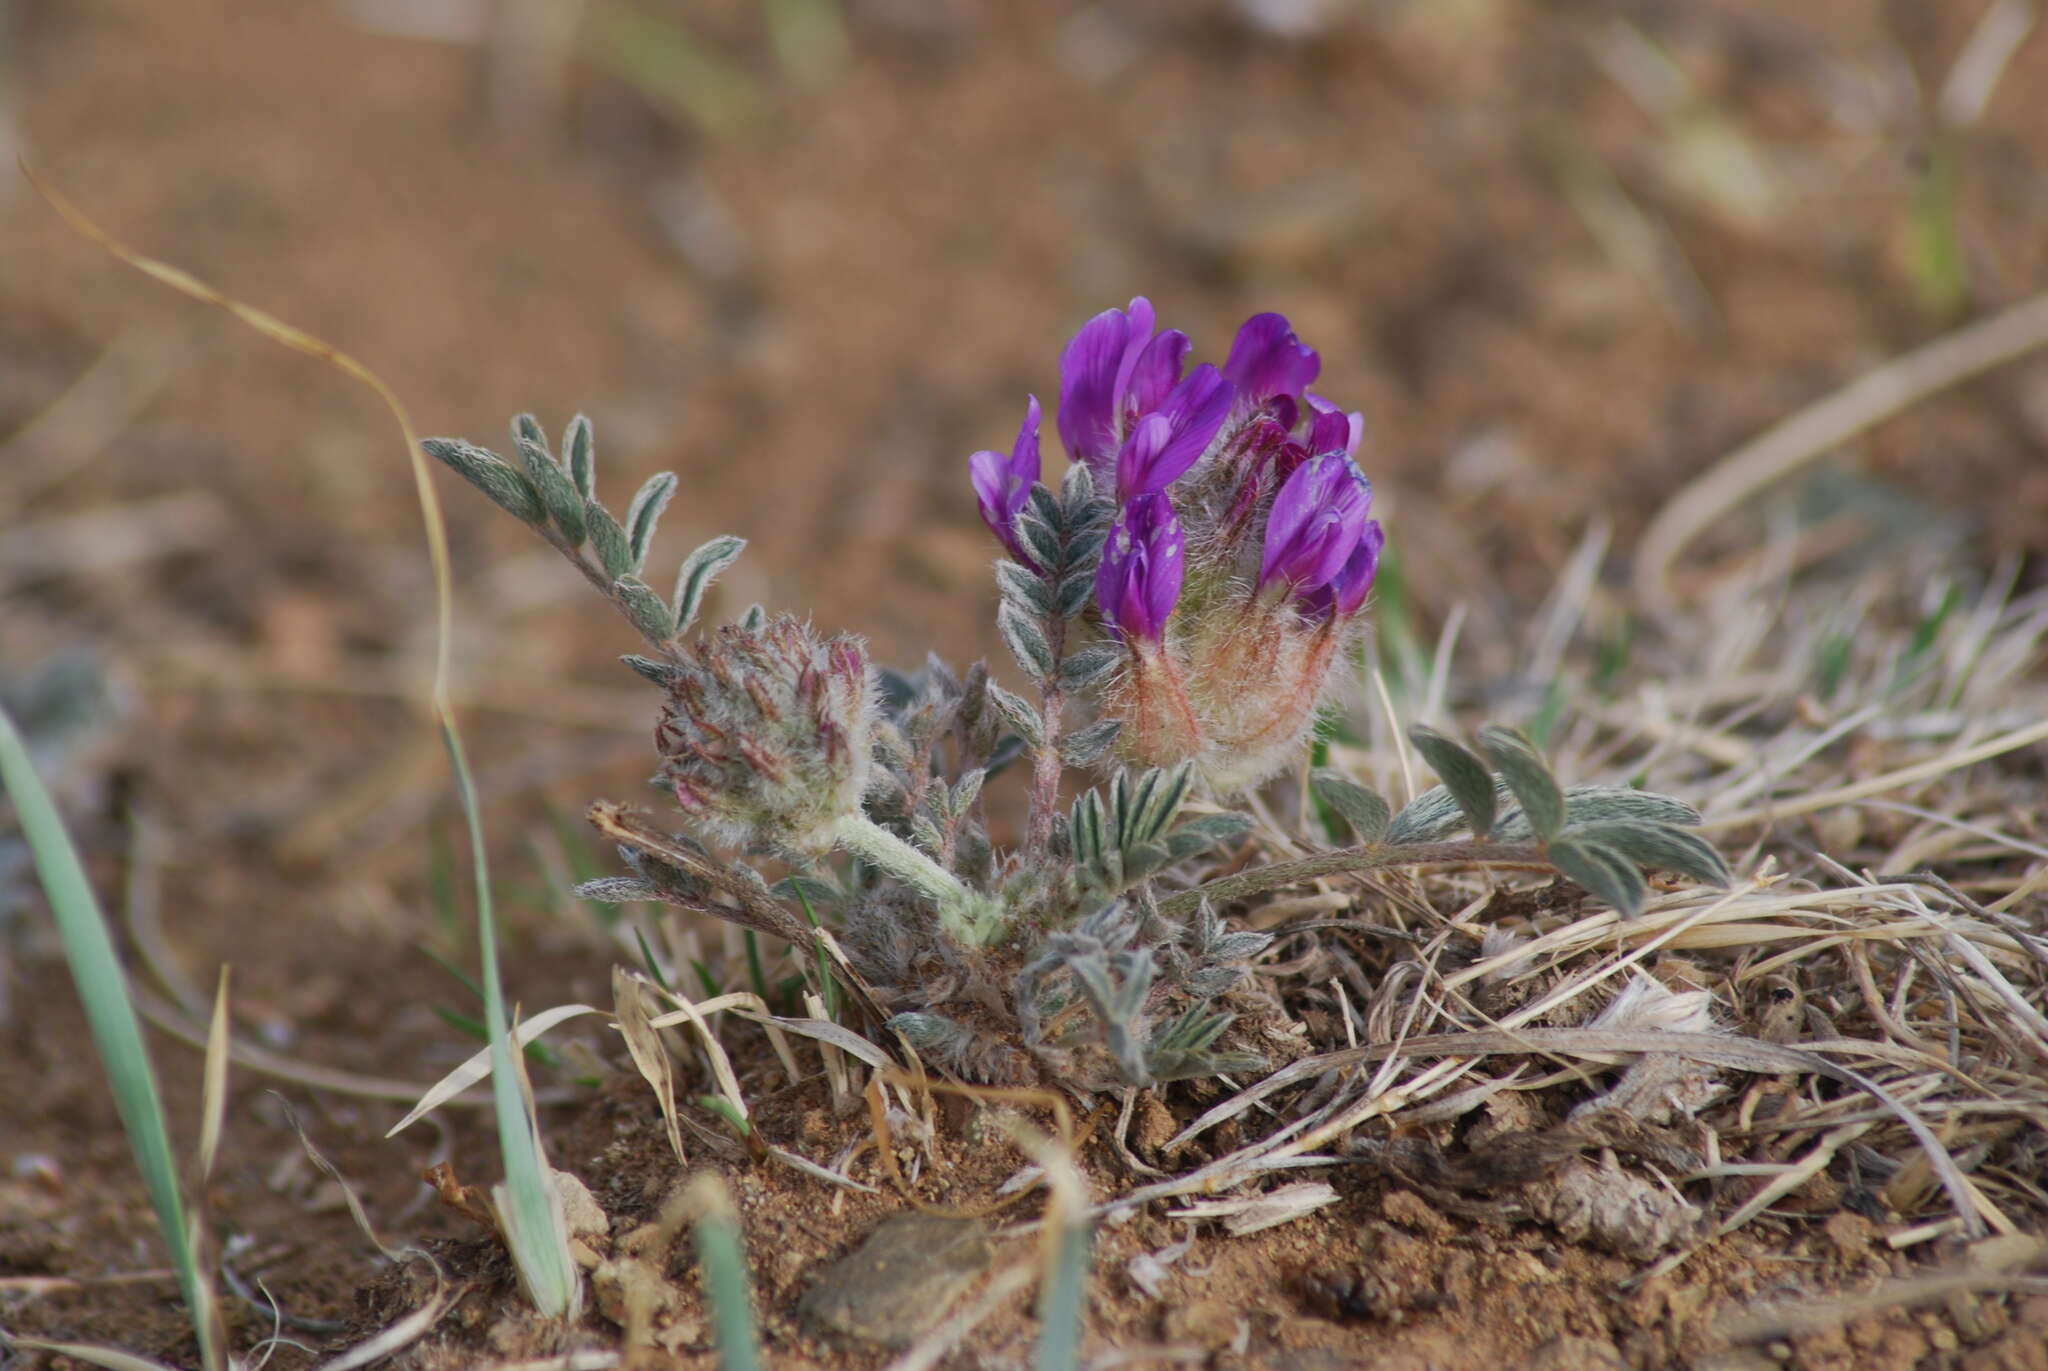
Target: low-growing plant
{"points": [[1178, 606]]}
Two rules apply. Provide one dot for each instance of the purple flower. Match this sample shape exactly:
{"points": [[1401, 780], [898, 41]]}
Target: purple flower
{"points": [[1166, 442], [1096, 373], [1332, 430], [1346, 592], [1003, 485], [1143, 564], [1317, 520], [1267, 361]]}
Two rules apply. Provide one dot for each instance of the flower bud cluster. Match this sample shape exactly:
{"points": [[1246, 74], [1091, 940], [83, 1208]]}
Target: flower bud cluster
{"points": [[1243, 547], [767, 735]]}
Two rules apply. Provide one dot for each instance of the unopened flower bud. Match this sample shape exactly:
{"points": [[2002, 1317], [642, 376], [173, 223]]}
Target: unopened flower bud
{"points": [[767, 736]]}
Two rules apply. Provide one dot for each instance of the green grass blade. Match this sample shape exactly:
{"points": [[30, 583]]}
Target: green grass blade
{"points": [[717, 1231], [103, 989], [534, 1227]]}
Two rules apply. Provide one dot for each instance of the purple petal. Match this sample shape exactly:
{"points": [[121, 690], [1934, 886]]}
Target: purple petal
{"points": [[1143, 564], [1024, 459], [1154, 373], [1266, 360], [1095, 367], [1345, 595], [1315, 524], [1173, 438], [1333, 430], [1002, 485]]}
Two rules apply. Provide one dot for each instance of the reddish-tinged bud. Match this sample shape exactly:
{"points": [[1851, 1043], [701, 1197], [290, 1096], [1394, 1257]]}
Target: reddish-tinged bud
{"points": [[768, 732]]}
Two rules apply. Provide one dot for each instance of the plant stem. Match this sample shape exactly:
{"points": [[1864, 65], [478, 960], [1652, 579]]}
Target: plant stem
{"points": [[872, 843], [1371, 857], [1046, 765]]}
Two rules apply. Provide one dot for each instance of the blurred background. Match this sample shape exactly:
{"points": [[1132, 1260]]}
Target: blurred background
{"points": [[812, 253]]}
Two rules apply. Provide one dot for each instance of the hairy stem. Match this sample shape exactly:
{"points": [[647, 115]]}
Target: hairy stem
{"points": [[1046, 766], [1371, 857], [868, 840]]}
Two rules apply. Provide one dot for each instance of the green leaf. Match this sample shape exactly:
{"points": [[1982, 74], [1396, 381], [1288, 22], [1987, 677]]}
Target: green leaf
{"points": [[614, 550], [1091, 665], [1024, 586], [110, 1018], [1019, 715], [699, 570], [725, 1268], [645, 512], [661, 673], [1026, 641], [644, 608], [579, 446], [1606, 873], [1660, 846], [491, 474], [1086, 747], [1159, 799], [1365, 810], [1467, 778], [557, 492], [1528, 775], [1591, 803], [1430, 817]]}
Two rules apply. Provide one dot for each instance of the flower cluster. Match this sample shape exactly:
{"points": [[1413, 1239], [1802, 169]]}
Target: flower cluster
{"points": [[766, 736], [1242, 547]]}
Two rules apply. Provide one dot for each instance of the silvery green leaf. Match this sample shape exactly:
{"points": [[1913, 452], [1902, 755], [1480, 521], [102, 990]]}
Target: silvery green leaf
{"points": [[557, 492], [1604, 872], [1591, 803], [1026, 641], [1159, 802], [1430, 817], [644, 608], [1198, 835], [1086, 746], [645, 512], [1464, 775], [1040, 502], [580, 451], [1528, 775], [753, 617], [926, 835], [1077, 489], [1237, 947], [526, 428], [1074, 592], [1024, 588], [700, 569], [1087, 829], [1091, 665], [614, 552], [967, 790], [1142, 859], [489, 473], [1020, 715], [1365, 810], [661, 673], [1659, 846], [1084, 549], [1039, 539], [1588, 803]]}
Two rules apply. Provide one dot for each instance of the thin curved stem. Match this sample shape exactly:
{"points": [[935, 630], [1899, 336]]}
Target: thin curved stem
{"points": [[1371, 857]]}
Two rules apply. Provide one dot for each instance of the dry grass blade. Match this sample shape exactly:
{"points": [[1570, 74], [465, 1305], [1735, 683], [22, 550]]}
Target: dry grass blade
{"points": [[214, 1094], [479, 1064], [629, 1007]]}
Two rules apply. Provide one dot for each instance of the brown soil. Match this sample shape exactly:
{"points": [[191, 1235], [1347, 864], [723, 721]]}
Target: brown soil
{"points": [[813, 318]]}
